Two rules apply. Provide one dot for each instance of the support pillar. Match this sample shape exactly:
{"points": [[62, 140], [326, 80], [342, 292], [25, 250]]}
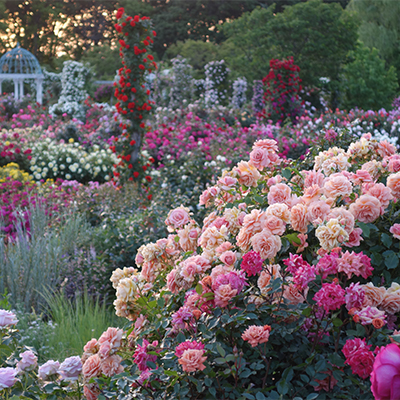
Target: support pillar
{"points": [[16, 89], [21, 88], [39, 90]]}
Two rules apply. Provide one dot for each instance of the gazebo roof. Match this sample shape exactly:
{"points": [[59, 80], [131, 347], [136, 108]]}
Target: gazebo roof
{"points": [[19, 61]]}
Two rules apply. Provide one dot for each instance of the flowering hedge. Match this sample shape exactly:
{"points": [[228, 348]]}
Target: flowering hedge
{"points": [[285, 289]]}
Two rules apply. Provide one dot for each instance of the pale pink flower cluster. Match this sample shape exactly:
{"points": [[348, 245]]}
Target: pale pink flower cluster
{"points": [[256, 335], [7, 318], [99, 358], [28, 361], [48, 370], [264, 154]]}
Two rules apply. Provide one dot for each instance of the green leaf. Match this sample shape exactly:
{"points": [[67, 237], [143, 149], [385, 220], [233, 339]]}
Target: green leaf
{"points": [[286, 173], [386, 240], [365, 229], [307, 312], [293, 238], [170, 372], [248, 396], [220, 360], [199, 289], [212, 391], [282, 387], [312, 396], [337, 322], [260, 396], [220, 350], [391, 260]]}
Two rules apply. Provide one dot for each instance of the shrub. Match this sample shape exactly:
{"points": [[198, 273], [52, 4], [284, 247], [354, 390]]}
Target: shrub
{"points": [[367, 83]]}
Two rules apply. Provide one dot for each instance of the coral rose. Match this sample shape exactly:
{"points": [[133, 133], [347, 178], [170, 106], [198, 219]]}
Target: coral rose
{"points": [[366, 208], [256, 335], [385, 376], [92, 367], [266, 244], [192, 360], [223, 294], [298, 218], [280, 193], [393, 183], [337, 186], [111, 365]]}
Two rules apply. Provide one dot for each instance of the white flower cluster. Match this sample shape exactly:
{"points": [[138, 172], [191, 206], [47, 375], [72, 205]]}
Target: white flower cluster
{"points": [[71, 162], [215, 83], [182, 82], [239, 93], [74, 78]]}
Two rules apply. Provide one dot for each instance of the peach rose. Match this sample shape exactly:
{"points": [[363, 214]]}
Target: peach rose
{"points": [[254, 221], [91, 391], [111, 365], [373, 295], [298, 218], [393, 183], [394, 163], [382, 193], [113, 337], [275, 225], [385, 149], [279, 210], [366, 208], [243, 239], [317, 210], [126, 289], [293, 295], [313, 178], [280, 193], [344, 216], [337, 186], [248, 174], [188, 238], [92, 367], [266, 244], [256, 335], [227, 182], [192, 360], [259, 158], [267, 144], [223, 295], [391, 303], [311, 194]]}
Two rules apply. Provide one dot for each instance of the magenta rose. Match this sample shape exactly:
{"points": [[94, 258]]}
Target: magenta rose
{"points": [[385, 377]]}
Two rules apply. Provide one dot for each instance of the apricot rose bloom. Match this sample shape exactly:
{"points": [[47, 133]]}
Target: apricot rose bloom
{"points": [[395, 231], [366, 208], [393, 183], [256, 335], [266, 244], [192, 360]]}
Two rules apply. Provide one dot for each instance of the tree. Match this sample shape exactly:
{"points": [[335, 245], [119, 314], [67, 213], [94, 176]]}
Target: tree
{"points": [[317, 35], [367, 83], [182, 19], [380, 27]]}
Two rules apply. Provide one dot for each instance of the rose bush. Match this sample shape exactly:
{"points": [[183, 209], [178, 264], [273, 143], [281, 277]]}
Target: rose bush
{"points": [[284, 290]]}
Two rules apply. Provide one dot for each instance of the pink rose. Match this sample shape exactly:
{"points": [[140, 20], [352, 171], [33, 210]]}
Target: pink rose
{"points": [[395, 231], [7, 318], [252, 263], [298, 218], [192, 360], [385, 377], [259, 158], [7, 377], [393, 183], [227, 182], [178, 217], [228, 258], [70, 368], [337, 185], [48, 369], [28, 361], [275, 225]]}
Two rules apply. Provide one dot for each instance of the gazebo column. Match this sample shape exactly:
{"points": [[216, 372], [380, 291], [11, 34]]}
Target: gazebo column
{"points": [[21, 88], [16, 87], [39, 90], [1, 89]]}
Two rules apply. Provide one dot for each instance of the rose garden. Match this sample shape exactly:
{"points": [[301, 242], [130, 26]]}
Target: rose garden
{"points": [[208, 223]]}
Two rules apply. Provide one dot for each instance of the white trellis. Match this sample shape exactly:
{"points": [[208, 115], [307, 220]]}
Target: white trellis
{"points": [[18, 65]]}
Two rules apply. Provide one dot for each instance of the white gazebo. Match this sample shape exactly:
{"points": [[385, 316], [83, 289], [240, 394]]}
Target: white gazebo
{"points": [[19, 64]]}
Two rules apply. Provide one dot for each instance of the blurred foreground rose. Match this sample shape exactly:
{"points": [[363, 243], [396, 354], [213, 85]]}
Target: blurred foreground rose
{"points": [[385, 377]]}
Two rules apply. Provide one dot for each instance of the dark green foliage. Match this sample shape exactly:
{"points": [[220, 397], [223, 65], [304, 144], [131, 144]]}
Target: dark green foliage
{"points": [[367, 83]]}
